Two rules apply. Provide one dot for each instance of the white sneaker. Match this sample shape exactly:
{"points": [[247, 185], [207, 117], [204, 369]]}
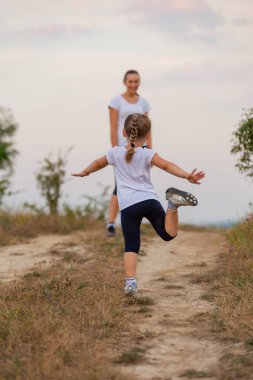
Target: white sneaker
{"points": [[130, 288], [180, 198]]}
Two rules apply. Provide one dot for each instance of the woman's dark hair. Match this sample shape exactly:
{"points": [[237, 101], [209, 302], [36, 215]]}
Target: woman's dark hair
{"points": [[128, 73]]}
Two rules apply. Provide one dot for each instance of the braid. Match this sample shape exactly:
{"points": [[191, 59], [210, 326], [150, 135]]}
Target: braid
{"points": [[134, 130], [133, 137], [136, 126]]}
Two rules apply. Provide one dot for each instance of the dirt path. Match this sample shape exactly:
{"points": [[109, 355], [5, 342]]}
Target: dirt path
{"points": [[37, 254], [165, 274]]}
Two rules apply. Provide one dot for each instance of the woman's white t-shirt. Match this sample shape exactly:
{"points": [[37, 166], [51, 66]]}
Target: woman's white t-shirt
{"points": [[125, 108], [132, 178]]}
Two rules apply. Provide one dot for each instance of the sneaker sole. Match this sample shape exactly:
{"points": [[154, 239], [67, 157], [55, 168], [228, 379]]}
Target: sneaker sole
{"points": [[188, 197], [131, 293]]}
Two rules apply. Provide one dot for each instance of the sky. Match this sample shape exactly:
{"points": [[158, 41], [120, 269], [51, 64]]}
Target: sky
{"points": [[62, 61]]}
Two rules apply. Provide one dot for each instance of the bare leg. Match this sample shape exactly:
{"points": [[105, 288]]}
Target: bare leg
{"points": [[171, 222], [130, 264], [113, 209]]}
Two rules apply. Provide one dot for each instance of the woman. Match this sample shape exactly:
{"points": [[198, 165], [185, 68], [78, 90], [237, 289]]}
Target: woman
{"points": [[120, 107]]}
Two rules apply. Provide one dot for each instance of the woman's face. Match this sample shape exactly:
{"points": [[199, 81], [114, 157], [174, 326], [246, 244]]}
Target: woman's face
{"points": [[132, 83]]}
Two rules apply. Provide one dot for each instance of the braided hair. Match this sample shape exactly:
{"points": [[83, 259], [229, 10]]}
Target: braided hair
{"points": [[136, 126]]}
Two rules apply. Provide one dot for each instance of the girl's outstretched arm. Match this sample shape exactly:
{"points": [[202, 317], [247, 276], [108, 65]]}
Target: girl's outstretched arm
{"points": [[170, 167], [96, 165]]}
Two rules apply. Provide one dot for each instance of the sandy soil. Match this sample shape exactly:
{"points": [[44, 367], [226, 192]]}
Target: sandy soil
{"points": [[165, 274], [37, 254]]}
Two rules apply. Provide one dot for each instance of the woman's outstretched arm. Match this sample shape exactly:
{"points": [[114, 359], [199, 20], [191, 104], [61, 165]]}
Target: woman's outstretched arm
{"points": [[96, 165], [149, 138], [114, 114]]}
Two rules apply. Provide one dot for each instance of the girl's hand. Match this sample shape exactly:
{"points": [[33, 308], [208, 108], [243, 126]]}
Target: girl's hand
{"points": [[81, 174], [195, 177]]}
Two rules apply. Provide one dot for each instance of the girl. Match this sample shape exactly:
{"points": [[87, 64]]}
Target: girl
{"points": [[119, 108], [136, 194]]}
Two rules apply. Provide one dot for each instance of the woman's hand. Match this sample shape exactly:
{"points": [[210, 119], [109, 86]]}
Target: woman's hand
{"points": [[81, 174], [195, 177]]}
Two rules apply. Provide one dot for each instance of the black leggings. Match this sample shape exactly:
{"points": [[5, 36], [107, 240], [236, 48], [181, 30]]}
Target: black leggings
{"points": [[131, 218]]}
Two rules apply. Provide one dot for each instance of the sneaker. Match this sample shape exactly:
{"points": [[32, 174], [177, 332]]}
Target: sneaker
{"points": [[111, 232], [130, 288], [180, 198]]}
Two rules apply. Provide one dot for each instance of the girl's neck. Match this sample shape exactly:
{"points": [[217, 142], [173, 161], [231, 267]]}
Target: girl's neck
{"points": [[137, 144]]}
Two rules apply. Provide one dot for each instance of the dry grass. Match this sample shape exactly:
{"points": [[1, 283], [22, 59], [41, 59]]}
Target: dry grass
{"points": [[230, 286], [147, 229], [65, 323], [133, 356], [232, 281], [196, 228], [21, 226], [192, 374], [17, 227]]}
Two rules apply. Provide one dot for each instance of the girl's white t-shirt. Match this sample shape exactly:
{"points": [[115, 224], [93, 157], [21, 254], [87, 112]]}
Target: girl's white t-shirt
{"points": [[125, 108], [132, 178]]}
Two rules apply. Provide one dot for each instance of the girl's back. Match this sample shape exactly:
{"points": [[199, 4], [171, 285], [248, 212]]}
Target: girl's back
{"points": [[133, 178]]}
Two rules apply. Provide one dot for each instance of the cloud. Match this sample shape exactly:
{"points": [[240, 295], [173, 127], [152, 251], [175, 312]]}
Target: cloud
{"points": [[44, 36], [242, 7], [178, 19], [204, 72], [49, 32]]}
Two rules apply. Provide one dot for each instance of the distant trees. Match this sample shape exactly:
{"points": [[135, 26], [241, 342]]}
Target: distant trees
{"points": [[50, 177], [243, 144], [8, 128]]}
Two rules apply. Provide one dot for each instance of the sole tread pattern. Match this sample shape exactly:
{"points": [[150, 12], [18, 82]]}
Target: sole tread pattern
{"points": [[188, 197]]}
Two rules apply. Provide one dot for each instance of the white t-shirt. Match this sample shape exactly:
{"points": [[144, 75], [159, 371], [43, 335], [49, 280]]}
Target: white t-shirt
{"points": [[132, 178], [125, 108]]}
